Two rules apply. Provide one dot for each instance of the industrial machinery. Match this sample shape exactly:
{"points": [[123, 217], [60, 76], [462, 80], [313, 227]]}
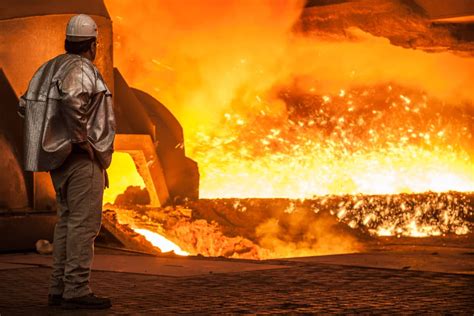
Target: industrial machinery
{"points": [[32, 32]]}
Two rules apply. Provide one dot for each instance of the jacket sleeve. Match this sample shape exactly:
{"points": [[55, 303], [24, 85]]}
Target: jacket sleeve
{"points": [[76, 91]]}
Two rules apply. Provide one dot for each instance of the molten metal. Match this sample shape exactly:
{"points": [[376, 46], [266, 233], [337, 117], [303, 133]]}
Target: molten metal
{"points": [[272, 113], [161, 242]]}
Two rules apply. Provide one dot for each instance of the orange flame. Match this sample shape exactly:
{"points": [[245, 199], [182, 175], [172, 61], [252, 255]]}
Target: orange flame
{"points": [[271, 113]]}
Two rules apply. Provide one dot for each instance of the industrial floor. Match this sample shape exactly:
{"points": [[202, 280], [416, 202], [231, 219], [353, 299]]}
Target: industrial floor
{"points": [[398, 279]]}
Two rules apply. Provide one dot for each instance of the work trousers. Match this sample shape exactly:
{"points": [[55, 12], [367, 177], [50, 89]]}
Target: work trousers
{"points": [[79, 186]]}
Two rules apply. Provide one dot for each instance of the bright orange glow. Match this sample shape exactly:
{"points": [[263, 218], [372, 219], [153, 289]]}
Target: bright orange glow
{"points": [[312, 169], [122, 174], [128, 218], [161, 242], [412, 230], [423, 215], [270, 113]]}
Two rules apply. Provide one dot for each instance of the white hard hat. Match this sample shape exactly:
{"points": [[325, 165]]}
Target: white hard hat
{"points": [[80, 28]]}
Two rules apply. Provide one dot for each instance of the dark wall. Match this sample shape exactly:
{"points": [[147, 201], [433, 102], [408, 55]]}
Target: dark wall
{"points": [[23, 8], [13, 182], [29, 42]]}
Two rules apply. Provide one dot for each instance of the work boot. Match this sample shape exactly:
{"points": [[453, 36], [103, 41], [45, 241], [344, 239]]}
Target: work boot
{"points": [[89, 301], [55, 299]]}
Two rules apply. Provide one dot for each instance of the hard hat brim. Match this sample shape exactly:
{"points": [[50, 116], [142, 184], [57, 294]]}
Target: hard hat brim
{"points": [[78, 38]]}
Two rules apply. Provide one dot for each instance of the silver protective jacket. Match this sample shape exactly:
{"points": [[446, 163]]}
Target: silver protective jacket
{"points": [[67, 102]]}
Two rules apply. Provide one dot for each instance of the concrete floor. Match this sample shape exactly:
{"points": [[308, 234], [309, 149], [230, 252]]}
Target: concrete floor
{"points": [[406, 257], [396, 279], [142, 264]]}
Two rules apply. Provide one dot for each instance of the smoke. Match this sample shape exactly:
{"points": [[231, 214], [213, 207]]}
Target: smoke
{"points": [[197, 57], [221, 67], [366, 60], [204, 58], [300, 237]]}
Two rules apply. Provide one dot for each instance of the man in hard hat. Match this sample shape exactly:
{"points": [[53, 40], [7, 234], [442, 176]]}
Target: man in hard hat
{"points": [[69, 131]]}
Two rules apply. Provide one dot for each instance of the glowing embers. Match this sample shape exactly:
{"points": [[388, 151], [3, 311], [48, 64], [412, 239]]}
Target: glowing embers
{"points": [[330, 111], [284, 228], [128, 188], [138, 219], [384, 139], [410, 215]]}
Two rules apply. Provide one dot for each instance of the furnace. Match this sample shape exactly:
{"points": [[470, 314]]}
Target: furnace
{"points": [[146, 129], [319, 128]]}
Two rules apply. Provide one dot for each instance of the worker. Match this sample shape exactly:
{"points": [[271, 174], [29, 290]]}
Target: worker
{"points": [[69, 131]]}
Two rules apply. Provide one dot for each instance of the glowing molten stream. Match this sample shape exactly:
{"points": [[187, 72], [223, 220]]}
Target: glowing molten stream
{"points": [[161, 242]]}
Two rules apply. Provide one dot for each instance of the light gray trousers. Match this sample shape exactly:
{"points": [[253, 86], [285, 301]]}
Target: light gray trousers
{"points": [[79, 186]]}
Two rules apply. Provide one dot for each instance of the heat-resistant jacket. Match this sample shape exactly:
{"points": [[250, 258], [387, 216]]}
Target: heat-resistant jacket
{"points": [[67, 102]]}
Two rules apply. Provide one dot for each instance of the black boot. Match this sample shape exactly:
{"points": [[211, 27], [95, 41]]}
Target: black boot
{"points": [[89, 301], [55, 299]]}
